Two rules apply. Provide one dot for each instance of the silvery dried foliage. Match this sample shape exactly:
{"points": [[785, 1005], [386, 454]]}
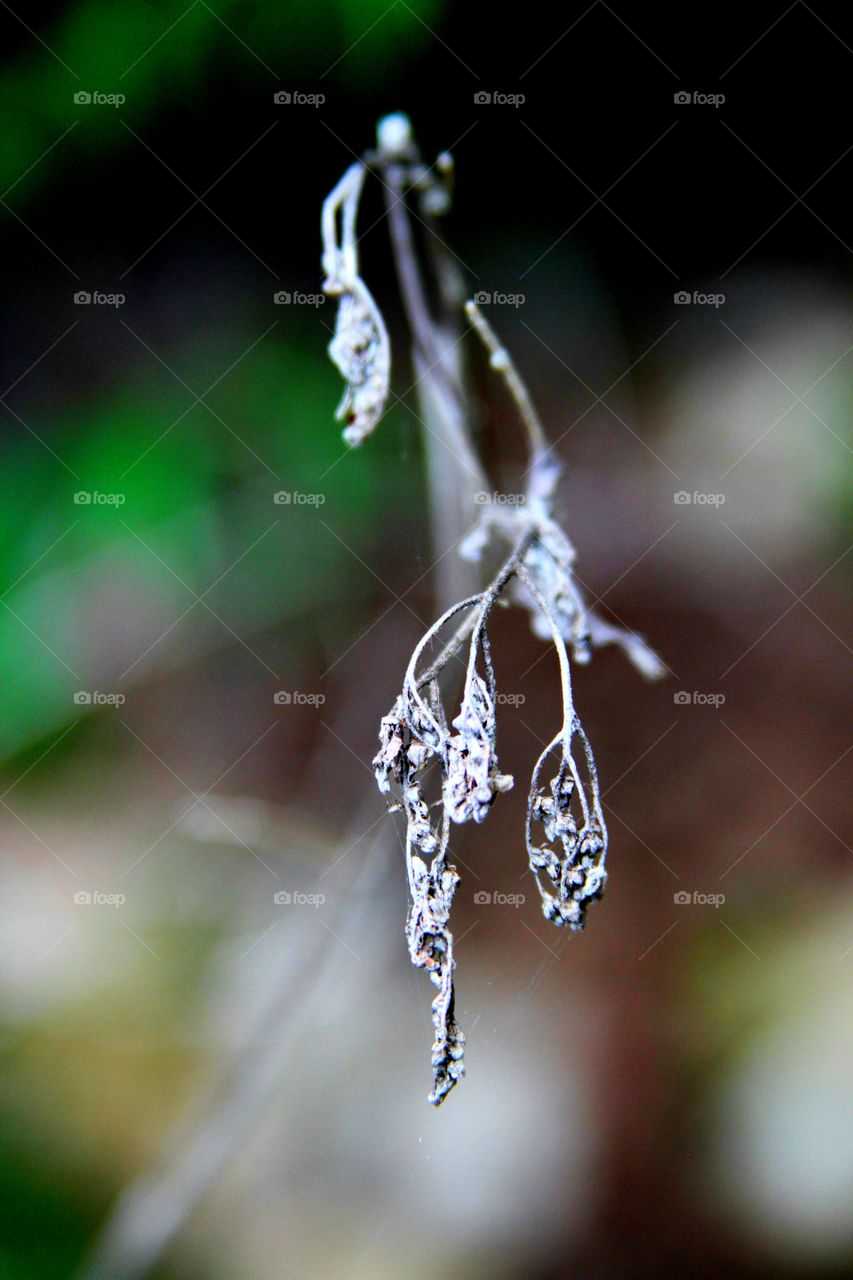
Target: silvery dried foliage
{"points": [[424, 750]]}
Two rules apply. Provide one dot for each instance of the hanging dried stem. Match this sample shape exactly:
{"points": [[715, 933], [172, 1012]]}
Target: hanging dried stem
{"points": [[576, 868], [419, 737]]}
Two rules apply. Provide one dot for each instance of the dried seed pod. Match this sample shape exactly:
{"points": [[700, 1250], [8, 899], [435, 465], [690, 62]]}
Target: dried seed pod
{"points": [[471, 775], [575, 838], [360, 347], [431, 947], [361, 351], [388, 761]]}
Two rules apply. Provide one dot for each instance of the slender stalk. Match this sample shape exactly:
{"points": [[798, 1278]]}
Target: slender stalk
{"points": [[430, 357], [562, 655], [501, 361], [455, 472]]}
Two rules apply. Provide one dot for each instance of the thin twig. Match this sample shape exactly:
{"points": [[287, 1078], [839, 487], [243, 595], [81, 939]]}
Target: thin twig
{"points": [[153, 1210], [501, 361]]}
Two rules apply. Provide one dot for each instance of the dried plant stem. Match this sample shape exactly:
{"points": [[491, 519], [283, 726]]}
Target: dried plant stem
{"points": [[455, 473], [501, 361], [485, 599], [567, 858], [559, 645]]}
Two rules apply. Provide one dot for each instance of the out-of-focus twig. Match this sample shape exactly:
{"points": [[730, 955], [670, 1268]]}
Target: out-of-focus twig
{"points": [[152, 1211], [455, 473]]}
